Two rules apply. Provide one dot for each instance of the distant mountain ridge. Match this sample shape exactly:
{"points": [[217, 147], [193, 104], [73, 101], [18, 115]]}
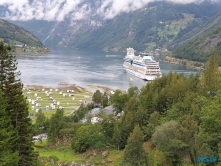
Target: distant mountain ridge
{"points": [[20, 39], [159, 24]]}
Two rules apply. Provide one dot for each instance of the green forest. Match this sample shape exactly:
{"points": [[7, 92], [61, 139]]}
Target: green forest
{"points": [[199, 48], [173, 120]]}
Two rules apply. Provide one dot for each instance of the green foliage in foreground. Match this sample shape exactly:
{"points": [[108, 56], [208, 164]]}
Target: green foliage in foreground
{"points": [[14, 109], [8, 137], [175, 118], [63, 153], [55, 125], [134, 153]]}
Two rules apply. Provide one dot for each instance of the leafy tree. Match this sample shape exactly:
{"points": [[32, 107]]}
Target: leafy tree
{"points": [[8, 136], [153, 122], [88, 136], [40, 124], [211, 115], [55, 125], [117, 137], [68, 131], [107, 125], [80, 113], [80, 141], [119, 100], [189, 131], [210, 127], [134, 153], [126, 127], [104, 100], [17, 107], [166, 138], [97, 138], [197, 106], [132, 90], [208, 144], [96, 98]]}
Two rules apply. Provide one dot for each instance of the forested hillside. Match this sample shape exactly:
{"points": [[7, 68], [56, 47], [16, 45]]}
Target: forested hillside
{"points": [[199, 48], [20, 39], [194, 31]]}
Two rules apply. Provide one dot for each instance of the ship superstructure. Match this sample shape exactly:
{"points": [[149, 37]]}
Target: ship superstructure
{"points": [[144, 67]]}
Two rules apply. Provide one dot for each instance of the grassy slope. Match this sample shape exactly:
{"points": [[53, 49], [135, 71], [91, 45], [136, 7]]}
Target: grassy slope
{"points": [[65, 154]]}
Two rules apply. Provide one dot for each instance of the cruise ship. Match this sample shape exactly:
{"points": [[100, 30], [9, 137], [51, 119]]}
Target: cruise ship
{"points": [[144, 67]]}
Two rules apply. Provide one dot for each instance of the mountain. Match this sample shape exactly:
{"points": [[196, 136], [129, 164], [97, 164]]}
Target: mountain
{"points": [[158, 24], [20, 39], [200, 48]]}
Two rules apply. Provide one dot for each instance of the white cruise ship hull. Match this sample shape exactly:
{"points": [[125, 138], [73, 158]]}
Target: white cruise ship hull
{"points": [[140, 75], [144, 67]]}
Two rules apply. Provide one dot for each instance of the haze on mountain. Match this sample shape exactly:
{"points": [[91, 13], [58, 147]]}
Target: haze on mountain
{"points": [[114, 25], [58, 10]]}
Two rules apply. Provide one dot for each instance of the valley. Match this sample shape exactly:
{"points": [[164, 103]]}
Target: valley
{"points": [[76, 105]]}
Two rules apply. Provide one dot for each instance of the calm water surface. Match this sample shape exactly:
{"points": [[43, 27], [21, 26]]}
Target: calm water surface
{"points": [[82, 67]]}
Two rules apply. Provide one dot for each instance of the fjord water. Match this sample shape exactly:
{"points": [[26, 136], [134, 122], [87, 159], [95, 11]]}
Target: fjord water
{"points": [[83, 67]]}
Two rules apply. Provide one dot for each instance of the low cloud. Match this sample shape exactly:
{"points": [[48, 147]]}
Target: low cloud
{"points": [[76, 9]]}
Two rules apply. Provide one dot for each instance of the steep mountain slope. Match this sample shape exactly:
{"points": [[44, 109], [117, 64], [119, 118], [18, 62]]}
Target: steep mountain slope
{"points": [[144, 29], [204, 27], [199, 48], [20, 39], [159, 24]]}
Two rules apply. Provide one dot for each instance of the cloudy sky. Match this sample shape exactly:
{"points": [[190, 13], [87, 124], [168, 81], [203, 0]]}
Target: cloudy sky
{"points": [[76, 9]]}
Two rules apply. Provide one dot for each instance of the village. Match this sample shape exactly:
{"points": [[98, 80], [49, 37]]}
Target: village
{"points": [[26, 49]]}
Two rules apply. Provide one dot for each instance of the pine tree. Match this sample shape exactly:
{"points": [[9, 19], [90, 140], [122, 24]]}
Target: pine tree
{"points": [[3, 57], [134, 153], [211, 72], [8, 136], [17, 107]]}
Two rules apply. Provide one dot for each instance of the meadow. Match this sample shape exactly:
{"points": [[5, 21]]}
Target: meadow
{"points": [[50, 99]]}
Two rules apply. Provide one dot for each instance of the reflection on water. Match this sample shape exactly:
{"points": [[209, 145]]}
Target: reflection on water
{"points": [[82, 67]]}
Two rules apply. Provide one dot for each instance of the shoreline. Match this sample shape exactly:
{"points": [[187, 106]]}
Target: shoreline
{"points": [[65, 86], [179, 62], [42, 53]]}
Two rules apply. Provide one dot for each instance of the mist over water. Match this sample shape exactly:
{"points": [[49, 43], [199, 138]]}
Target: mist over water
{"points": [[82, 67]]}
